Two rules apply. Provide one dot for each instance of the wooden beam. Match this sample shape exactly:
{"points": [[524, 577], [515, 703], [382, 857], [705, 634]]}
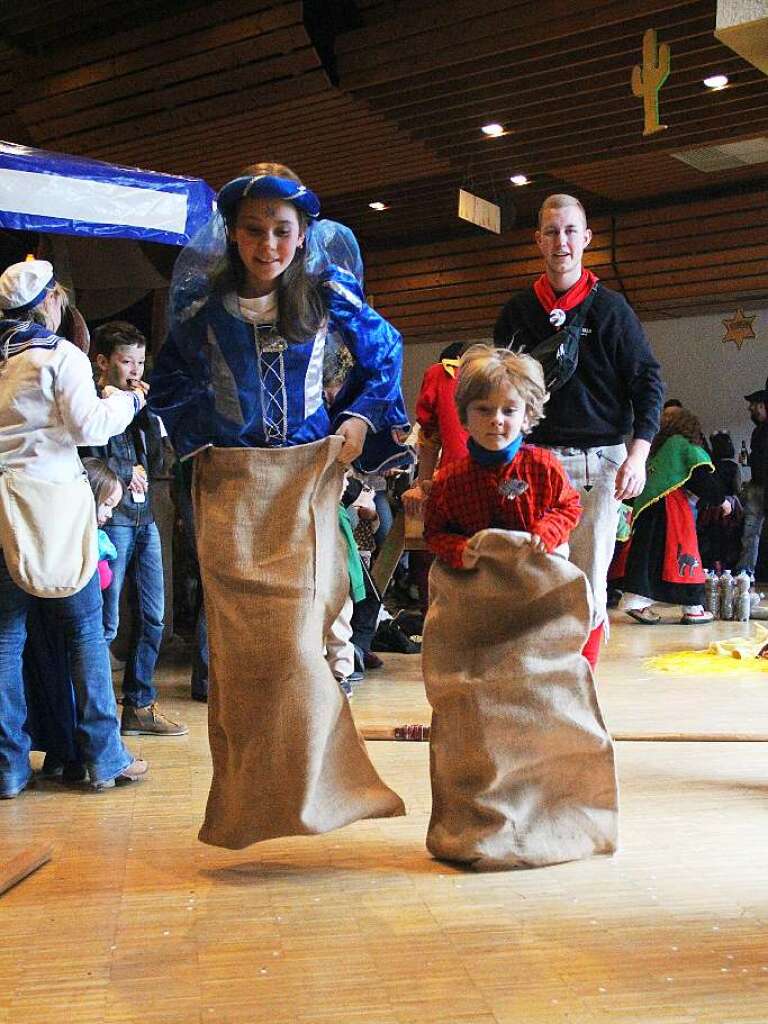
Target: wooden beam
{"points": [[526, 25]]}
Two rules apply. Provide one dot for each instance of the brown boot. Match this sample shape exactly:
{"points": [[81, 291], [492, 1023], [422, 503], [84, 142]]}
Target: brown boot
{"points": [[149, 722], [135, 771]]}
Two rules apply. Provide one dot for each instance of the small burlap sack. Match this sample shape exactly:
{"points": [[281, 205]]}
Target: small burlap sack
{"points": [[521, 763], [287, 758]]}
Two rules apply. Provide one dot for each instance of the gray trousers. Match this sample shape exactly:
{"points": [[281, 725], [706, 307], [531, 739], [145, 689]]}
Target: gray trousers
{"points": [[593, 473], [753, 500]]}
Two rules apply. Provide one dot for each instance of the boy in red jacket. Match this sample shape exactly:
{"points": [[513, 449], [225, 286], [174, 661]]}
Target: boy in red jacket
{"points": [[502, 483]]}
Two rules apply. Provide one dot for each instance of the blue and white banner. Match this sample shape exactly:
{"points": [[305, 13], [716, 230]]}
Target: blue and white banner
{"points": [[52, 192]]}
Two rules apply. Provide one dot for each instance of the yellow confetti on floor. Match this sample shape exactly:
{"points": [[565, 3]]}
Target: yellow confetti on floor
{"points": [[692, 663], [739, 655]]}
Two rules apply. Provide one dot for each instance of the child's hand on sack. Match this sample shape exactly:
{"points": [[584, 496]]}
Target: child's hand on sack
{"points": [[537, 543], [354, 431]]}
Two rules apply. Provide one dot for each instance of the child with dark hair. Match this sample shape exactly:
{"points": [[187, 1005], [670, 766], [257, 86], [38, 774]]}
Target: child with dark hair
{"points": [[136, 457]]}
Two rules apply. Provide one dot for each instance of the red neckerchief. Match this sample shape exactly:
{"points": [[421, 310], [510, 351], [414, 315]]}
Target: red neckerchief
{"points": [[568, 300]]}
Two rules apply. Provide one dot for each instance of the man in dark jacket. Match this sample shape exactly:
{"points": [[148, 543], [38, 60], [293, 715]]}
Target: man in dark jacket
{"points": [[136, 457], [753, 494], [614, 392]]}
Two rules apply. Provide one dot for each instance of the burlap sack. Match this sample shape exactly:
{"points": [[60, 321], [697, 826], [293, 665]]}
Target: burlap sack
{"points": [[287, 758], [521, 763]]}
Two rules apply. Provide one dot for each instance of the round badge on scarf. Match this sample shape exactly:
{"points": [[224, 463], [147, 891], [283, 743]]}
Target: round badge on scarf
{"points": [[557, 317]]}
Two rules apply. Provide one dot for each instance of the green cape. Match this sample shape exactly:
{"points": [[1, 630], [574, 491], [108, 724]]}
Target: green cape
{"points": [[669, 468]]}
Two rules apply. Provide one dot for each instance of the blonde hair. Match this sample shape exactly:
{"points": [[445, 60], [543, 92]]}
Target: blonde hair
{"points": [[36, 315], [484, 369], [557, 202]]}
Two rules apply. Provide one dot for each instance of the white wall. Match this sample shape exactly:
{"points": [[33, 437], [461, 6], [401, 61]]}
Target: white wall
{"points": [[708, 376]]}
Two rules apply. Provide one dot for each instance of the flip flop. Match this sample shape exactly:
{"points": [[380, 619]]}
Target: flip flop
{"points": [[644, 616]]}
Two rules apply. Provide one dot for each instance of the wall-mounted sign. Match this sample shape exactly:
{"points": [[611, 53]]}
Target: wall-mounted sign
{"points": [[738, 328], [648, 80], [479, 211]]}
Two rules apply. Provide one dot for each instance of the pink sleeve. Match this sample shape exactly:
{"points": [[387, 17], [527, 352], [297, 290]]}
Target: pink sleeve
{"points": [[105, 574]]}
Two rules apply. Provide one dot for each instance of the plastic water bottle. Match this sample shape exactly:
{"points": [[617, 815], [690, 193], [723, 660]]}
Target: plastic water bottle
{"points": [[726, 595], [712, 593], [742, 605]]}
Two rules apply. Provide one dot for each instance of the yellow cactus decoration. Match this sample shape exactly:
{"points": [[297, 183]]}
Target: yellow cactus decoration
{"points": [[648, 79]]}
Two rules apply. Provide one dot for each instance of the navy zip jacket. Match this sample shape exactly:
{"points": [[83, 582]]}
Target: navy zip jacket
{"points": [[616, 390]]}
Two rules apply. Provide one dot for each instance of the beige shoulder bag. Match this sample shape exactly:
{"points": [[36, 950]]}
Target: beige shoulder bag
{"points": [[47, 533]]}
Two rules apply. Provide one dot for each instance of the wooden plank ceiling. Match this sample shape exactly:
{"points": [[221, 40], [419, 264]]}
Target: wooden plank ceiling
{"points": [[382, 100]]}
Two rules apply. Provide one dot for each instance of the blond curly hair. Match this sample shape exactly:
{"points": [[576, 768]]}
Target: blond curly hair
{"points": [[483, 370]]}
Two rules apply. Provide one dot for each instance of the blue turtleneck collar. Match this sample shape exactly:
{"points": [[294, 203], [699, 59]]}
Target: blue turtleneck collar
{"points": [[502, 457]]}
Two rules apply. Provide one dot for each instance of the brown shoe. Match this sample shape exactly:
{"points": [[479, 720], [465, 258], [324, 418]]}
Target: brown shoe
{"points": [[149, 722], [135, 772]]}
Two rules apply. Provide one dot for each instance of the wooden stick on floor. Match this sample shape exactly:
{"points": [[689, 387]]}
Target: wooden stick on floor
{"points": [[420, 733], [23, 864]]}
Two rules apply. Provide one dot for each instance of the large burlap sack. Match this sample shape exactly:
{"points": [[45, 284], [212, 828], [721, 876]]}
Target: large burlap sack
{"points": [[287, 758], [522, 765]]}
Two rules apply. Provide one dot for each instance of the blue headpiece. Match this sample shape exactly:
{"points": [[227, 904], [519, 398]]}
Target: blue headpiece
{"points": [[252, 186], [200, 261]]}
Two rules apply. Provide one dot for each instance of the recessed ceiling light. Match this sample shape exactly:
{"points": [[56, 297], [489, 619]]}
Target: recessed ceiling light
{"points": [[716, 81], [378, 206], [493, 130], [520, 179]]}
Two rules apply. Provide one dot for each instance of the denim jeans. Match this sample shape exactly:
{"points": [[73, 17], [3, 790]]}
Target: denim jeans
{"points": [[752, 498], [98, 732], [384, 509], [139, 556]]}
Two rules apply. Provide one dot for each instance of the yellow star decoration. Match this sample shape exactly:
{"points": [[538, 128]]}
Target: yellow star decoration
{"points": [[739, 328]]}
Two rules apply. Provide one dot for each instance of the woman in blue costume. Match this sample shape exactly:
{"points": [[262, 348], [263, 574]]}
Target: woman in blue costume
{"points": [[239, 387]]}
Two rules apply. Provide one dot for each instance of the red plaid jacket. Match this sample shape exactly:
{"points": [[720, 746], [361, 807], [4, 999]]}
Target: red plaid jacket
{"points": [[467, 497]]}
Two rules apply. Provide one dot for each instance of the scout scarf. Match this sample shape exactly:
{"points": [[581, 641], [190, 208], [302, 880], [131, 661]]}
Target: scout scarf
{"points": [[568, 300]]}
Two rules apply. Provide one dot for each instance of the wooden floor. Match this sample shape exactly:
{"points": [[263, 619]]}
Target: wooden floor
{"points": [[135, 922]]}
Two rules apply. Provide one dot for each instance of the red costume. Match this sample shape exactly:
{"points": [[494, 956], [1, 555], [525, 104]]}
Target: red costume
{"points": [[437, 415], [530, 493]]}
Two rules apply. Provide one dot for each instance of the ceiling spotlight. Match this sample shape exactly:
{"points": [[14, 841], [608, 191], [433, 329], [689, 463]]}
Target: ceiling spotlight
{"points": [[716, 81], [378, 206], [493, 130], [520, 179]]}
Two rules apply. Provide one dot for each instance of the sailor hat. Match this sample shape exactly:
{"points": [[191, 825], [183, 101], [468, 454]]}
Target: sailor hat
{"points": [[23, 286]]}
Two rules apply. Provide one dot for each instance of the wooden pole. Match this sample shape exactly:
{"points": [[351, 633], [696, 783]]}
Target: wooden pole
{"points": [[420, 733], [23, 864]]}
